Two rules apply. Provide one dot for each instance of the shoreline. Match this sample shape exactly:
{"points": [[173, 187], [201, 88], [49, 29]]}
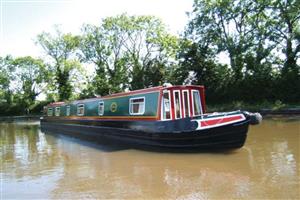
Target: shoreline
{"points": [[288, 111], [19, 118]]}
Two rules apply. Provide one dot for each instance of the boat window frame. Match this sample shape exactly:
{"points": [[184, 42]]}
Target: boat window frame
{"points": [[57, 111], [130, 105], [179, 96], [78, 105], [48, 112], [100, 102], [201, 111], [188, 103], [68, 110], [163, 105]]}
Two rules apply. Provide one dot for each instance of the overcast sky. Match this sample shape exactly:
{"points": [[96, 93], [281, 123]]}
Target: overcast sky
{"points": [[22, 20]]}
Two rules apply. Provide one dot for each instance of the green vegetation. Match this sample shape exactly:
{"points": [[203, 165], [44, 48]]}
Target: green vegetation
{"points": [[252, 107], [128, 51], [260, 38], [61, 50]]}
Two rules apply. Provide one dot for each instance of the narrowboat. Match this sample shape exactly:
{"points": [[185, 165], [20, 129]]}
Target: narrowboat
{"points": [[171, 117]]}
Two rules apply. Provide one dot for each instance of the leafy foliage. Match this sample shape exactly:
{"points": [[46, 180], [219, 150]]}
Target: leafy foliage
{"points": [[61, 49], [129, 52], [250, 33], [22, 80], [260, 38], [30, 74]]}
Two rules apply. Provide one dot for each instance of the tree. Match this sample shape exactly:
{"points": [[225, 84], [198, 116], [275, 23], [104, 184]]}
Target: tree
{"points": [[31, 77], [128, 51], [146, 46], [240, 29], [6, 70], [285, 27], [61, 49], [199, 67], [94, 49]]}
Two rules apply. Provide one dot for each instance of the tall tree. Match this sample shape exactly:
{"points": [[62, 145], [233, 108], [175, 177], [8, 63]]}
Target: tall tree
{"points": [[285, 27], [286, 30], [198, 66], [61, 49], [31, 77], [6, 70], [95, 50], [125, 49], [238, 28]]}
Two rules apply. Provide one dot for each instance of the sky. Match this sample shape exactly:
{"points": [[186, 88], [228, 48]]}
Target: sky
{"points": [[22, 20]]}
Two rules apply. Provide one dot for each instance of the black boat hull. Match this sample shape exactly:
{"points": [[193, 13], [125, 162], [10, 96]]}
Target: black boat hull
{"points": [[153, 134]]}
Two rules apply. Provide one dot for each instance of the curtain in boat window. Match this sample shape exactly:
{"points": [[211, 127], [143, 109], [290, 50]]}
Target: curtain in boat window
{"points": [[137, 106], [101, 108], [197, 104], [177, 104], [57, 111], [49, 113], [80, 109], [68, 109], [186, 102], [166, 105]]}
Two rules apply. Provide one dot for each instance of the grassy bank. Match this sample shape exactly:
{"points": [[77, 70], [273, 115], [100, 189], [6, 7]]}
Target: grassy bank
{"points": [[275, 107], [19, 118]]}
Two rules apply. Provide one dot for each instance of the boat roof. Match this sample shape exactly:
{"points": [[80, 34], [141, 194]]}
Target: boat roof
{"points": [[129, 93]]}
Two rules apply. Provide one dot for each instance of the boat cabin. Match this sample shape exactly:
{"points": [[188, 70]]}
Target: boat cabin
{"points": [[157, 103]]}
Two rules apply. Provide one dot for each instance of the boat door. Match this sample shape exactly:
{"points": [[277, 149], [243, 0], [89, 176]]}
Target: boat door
{"points": [[181, 103], [171, 105]]}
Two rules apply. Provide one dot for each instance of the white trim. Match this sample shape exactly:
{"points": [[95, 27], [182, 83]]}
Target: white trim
{"points": [[68, 108], [192, 94], [81, 104], [101, 114], [162, 106], [220, 124], [143, 108], [188, 103], [179, 95], [57, 111]]}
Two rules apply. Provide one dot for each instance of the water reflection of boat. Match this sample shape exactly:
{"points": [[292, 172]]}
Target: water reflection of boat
{"points": [[166, 116], [134, 174]]}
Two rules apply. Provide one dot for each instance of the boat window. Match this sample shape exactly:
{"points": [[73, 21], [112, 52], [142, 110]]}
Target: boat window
{"points": [[80, 109], [50, 113], [57, 111], [177, 104], [166, 112], [101, 108], [137, 106], [186, 103], [68, 109], [196, 103]]}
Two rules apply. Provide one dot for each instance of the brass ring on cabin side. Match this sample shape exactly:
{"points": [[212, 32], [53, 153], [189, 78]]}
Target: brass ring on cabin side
{"points": [[113, 107]]}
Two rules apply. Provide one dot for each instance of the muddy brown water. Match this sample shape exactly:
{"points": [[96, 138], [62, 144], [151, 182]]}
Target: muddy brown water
{"points": [[46, 166]]}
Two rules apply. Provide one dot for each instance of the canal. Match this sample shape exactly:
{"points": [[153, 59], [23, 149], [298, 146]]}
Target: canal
{"points": [[39, 165]]}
